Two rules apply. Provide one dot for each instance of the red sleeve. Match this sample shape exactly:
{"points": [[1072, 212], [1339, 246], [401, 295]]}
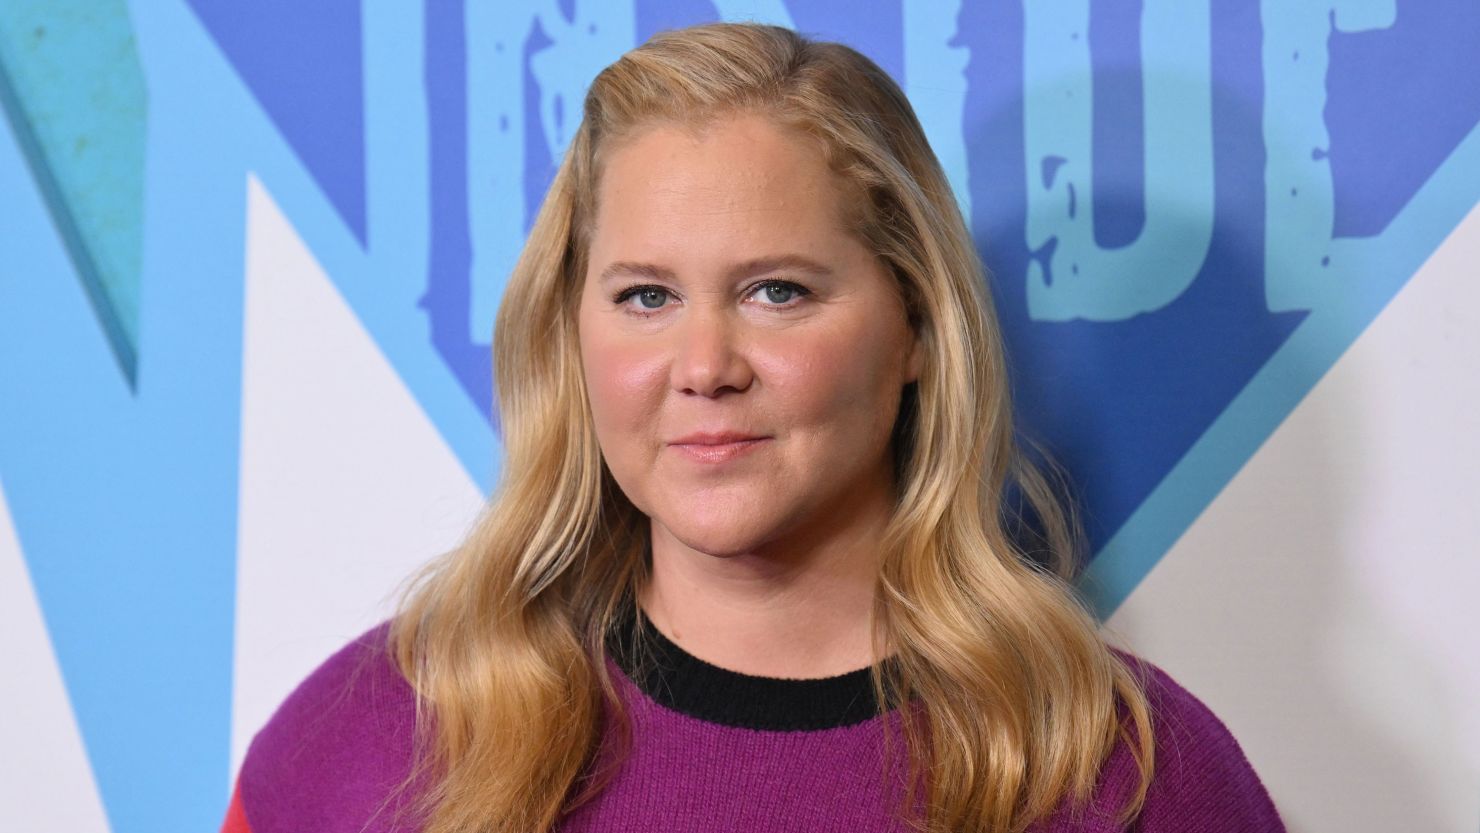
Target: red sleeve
{"points": [[236, 817]]}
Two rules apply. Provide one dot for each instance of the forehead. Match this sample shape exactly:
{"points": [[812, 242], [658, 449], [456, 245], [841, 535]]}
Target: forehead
{"points": [[736, 178]]}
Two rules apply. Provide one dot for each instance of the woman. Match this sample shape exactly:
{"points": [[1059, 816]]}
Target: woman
{"points": [[750, 564]]}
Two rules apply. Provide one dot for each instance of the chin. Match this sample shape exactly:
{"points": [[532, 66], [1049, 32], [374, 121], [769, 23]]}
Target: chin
{"points": [[726, 519], [718, 541], [722, 533]]}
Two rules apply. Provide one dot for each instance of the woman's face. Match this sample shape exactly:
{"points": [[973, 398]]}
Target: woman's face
{"points": [[743, 353]]}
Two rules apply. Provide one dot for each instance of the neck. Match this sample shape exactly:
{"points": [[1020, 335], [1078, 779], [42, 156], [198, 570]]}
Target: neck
{"points": [[798, 608]]}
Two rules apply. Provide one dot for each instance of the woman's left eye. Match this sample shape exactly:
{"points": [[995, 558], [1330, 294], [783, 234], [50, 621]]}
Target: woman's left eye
{"points": [[779, 293]]}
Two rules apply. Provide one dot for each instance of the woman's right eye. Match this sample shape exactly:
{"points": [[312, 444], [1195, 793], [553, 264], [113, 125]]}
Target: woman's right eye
{"points": [[647, 297]]}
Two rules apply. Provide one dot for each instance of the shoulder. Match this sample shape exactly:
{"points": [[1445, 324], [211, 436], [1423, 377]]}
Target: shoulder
{"points": [[335, 754], [1202, 779]]}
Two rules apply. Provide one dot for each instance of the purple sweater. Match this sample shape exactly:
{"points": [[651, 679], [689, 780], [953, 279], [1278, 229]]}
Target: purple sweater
{"points": [[713, 750]]}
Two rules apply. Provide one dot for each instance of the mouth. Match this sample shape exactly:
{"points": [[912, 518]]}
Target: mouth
{"points": [[717, 447]]}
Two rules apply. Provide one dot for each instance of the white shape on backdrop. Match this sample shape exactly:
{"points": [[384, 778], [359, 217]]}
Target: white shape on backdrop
{"points": [[346, 485], [1323, 604], [46, 782]]}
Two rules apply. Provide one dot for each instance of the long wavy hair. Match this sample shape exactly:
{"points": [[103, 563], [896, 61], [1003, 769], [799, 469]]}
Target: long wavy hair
{"points": [[1010, 687]]}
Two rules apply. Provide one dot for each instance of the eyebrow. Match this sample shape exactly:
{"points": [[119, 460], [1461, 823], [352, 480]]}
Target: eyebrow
{"points": [[747, 269]]}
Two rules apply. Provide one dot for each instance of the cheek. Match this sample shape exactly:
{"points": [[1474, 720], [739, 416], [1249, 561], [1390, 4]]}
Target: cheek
{"points": [[624, 382], [842, 380]]}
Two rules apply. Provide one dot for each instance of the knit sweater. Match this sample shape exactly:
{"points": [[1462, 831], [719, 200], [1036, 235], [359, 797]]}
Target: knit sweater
{"points": [[712, 750]]}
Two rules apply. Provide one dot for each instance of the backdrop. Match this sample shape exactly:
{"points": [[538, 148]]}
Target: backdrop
{"points": [[250, 256]]}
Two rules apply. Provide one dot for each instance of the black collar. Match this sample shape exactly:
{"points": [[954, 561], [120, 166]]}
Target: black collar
{"points": [[684, 683]]}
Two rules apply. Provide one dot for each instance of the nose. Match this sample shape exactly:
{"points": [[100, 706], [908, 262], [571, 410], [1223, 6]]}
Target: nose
{"points": [[707, 361]]}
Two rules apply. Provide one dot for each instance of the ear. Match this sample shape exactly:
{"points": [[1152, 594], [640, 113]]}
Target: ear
{"points": [[915, 362]]}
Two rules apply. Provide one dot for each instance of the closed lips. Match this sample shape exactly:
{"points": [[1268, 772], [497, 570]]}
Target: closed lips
{"points": [[716, 449], [717, 438]]}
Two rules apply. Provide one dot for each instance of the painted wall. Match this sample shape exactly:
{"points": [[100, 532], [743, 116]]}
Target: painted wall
{"points": [[250, 256]]}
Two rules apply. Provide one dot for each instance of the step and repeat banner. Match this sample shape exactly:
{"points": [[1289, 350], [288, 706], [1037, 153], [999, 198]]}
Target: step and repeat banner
{"points": [[251, 253]]}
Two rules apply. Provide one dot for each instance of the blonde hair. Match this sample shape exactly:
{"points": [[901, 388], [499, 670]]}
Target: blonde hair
{"points": [[503, 639]]}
